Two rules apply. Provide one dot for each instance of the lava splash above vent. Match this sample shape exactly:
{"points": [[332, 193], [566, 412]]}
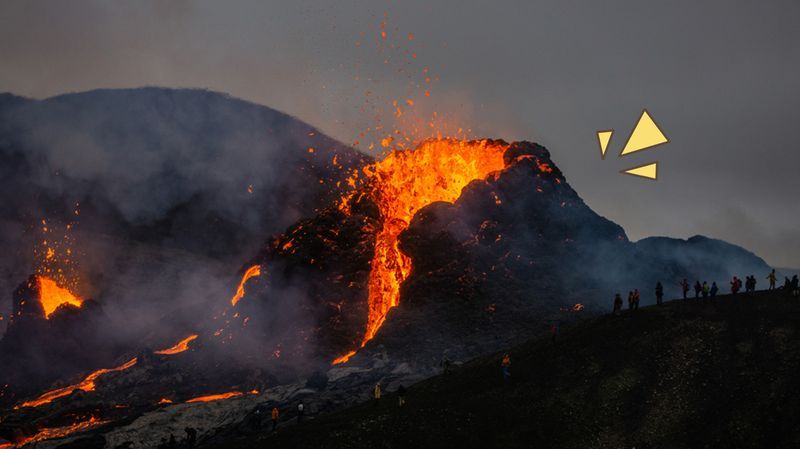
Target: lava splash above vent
{"points": [[51, 296], [403, 183]]}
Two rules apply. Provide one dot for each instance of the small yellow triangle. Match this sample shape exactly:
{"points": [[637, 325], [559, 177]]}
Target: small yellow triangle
{"points": [[645, 134], [649, 171], [603, 137]]}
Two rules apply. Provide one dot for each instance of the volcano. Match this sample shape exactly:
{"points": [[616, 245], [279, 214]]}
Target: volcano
{"points": [[430, 256]]}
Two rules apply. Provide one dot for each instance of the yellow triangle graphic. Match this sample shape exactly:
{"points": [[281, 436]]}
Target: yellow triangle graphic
{"points": [[603, 137], [649, 171], [645, 135]]}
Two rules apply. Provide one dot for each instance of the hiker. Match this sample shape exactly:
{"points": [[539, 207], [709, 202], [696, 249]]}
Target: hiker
{"points": [[795, 286], [697, 289], [300, 410], [275, 415], [554, 332], [617, 304], [684, 287], [630, 300], [191, 436], [172, 441], [376, 393], [636, 298], [445, 365], [401, 395], [772, 278], [735, 285], [713, 290], [706, 290], [257, 418], [660, 293], [747, 284], [506, 365], [753, 283]]}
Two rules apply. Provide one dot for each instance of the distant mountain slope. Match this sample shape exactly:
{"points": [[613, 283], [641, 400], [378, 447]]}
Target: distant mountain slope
{"points": [[683, 375]]}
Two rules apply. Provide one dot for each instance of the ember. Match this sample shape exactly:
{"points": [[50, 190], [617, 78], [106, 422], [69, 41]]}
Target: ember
{"points": [[179, 347], [251, 272], [86, 384], [404, 182]]}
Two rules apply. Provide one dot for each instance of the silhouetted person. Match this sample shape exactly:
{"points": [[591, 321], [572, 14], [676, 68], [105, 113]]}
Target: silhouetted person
{"points": [[445, 365], [617, 304], [698, 288], [191, 436], [376, 393], [684, 287], [706, 290], [795, 286], [753, 285], [401, 396], [736, 284], [275, 415], [636, 298], [300, 410], [713, 290], [630, 300], [554, 332], [172, 442], [772, 278], [660, 293], [505, 364]]}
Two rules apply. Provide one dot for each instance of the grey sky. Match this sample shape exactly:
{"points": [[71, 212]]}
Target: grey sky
{"points": [[722, 78]]}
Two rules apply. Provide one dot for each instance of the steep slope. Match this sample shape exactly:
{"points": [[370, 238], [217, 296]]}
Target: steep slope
{"points": [[681, 375]]}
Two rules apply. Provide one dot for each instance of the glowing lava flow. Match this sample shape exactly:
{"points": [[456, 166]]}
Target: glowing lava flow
{"points": [[215, 397], [404, 182], [253, 271], [51, 296], [50, 433], [86, 384], [179, 347]]}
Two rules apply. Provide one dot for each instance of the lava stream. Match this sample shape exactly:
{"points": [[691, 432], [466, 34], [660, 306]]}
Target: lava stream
{"points": [[86, 384], [215, 397], [179, 347], [50, 433], [404, 182], [253, 271]]}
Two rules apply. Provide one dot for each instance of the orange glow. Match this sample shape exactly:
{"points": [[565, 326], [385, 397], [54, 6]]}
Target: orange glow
{"points": [[577, 307], [179, 347], [51, 296], [165, 401], [86, 384], [253, 271], [215, 397], [404, 182], [59, 432]]}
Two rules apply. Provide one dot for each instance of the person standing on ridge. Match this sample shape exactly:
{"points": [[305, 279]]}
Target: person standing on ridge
{"points": [[300, 410], [376, 393], [401, 396], [698, 288], [714, 290], [735, 285], [772, 278], [706, 290], [630, 300], [795, 286], [617, 304], [275, 415], [636, 298], [505, 364], [660, 293], [684, 287]]}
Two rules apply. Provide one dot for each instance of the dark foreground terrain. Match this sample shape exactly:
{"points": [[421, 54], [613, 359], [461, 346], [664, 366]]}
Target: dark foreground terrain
{"points": [[685, 374]]}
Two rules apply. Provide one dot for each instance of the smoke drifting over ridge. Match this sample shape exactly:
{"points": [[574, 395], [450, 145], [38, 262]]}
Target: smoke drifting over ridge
{"points": [[176, 188]]}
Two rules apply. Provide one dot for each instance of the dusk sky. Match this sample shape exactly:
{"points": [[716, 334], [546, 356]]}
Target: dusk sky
{"points": [[721, 78]]}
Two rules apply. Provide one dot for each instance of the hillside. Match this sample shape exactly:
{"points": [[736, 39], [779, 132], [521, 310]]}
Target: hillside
{"points": [[676, 376]]}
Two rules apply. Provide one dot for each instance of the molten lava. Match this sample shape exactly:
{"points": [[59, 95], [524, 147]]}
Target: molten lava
{"points": [[50, 433], [179, 347], [51, 296], [251, 272], [86, 384], [215, 397], [404, 182]]}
